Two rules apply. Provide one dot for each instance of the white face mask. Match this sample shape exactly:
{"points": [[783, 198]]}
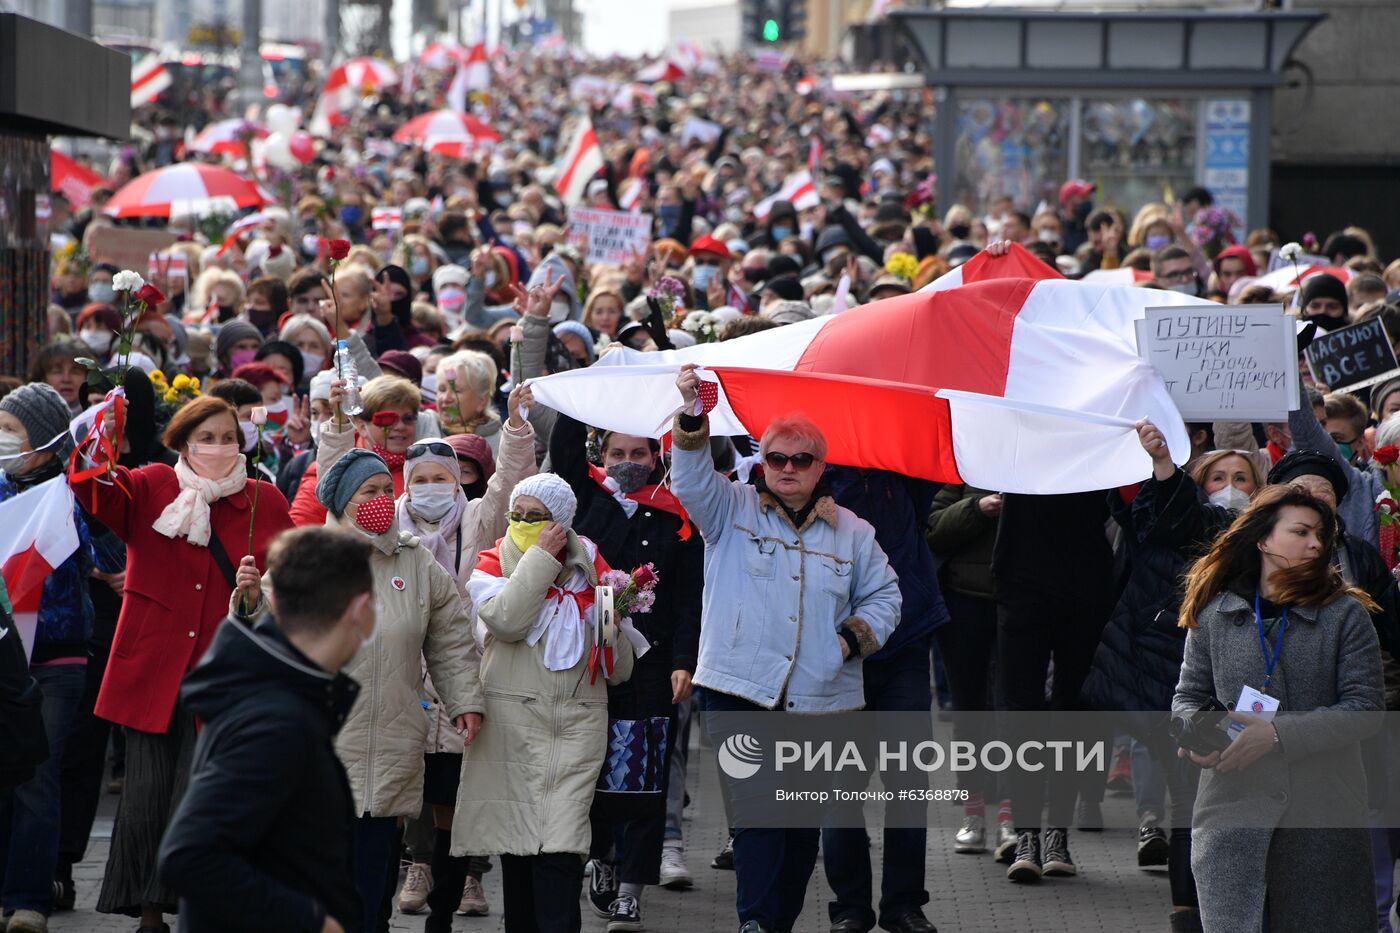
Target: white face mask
{"points": [[489, 280], [431, 501], [316, 432], [10, 456], [99, 340], [1230, 497], [559, 311], [311, 363], [250, 435], [1048, 235]]}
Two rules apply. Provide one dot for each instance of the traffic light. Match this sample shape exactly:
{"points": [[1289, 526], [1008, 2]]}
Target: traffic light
{"points": [[794, 20], [771, 30], [766, 22]]}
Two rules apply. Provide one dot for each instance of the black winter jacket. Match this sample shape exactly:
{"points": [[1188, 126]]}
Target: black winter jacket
{"points": [[266, 829], [651, 535]]}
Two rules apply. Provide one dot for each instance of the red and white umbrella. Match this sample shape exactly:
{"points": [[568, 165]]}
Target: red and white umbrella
{"points": [[441, 56], [448, 132], [186, 188], [663, 70], [227, 136], [366, 75]]}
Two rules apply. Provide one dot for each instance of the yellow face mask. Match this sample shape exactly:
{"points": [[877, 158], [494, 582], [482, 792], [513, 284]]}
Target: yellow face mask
{"points": [[525, 534]]}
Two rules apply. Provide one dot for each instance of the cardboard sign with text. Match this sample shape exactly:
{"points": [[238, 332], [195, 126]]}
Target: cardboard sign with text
{"points": [[127, 247], [609, 236], [1224, 363], [1353, 357]]}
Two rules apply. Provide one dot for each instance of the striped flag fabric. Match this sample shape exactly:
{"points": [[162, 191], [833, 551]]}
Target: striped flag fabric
{"points": [[799, 189], [1012, 378], [148, 78], [36, 535], [581, 162], [814, 154]]}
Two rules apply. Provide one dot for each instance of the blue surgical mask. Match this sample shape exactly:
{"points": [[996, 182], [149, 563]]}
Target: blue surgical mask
{"points": [[781, 232], [351, 216], [1155, 241], [102, 292], [418, 266], [703, 276]]}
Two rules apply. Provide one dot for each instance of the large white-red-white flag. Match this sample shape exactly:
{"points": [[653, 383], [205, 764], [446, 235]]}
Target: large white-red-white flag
{"points": [[581, 162], [1011, 378], [148, 78], [36, 535], [798, 189]]}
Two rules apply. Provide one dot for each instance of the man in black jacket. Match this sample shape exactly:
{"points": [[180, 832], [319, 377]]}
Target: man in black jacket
{"points": [[264, 835]]}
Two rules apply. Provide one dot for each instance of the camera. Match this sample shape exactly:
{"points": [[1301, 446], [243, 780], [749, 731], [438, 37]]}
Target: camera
{"points": [[1203, 731]]}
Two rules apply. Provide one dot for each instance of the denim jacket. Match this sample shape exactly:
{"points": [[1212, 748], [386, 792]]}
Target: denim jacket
{"points": [[776, 596]]}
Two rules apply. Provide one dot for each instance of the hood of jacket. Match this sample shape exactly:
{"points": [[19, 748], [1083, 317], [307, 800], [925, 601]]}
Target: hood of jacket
{"points": [[553, 268], [257, 660]]}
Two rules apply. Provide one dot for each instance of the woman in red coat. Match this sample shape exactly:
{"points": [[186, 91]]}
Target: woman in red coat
{"points": [[180, 525]]}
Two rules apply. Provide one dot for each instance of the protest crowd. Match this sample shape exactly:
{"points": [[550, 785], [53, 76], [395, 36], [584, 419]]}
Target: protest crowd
{"points": [[348, 464]]}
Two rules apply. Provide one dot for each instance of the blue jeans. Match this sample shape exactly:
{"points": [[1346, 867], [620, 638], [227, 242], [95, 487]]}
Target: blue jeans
{"points": [[29, 814], [772, 866], [899, 683], [1149, 782]]}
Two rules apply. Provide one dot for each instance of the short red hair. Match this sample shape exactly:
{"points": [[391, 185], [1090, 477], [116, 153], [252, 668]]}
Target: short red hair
{"points": [[259, 374]]}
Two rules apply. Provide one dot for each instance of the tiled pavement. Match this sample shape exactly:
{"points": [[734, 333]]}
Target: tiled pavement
{"points": [[969, 893]]}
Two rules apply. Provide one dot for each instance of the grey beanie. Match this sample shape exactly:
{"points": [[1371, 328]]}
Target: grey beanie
{"points": [[44, 414], [231, 333], [337, 487]]}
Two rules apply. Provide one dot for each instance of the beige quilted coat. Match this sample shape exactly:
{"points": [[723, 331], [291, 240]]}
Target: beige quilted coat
{"points": [[420, 617], [528, 779]]}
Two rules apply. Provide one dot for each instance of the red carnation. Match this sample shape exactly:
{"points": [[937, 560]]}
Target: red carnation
{"points": [[1386, 455], [338, 249], [151, 295], [644, 576]]}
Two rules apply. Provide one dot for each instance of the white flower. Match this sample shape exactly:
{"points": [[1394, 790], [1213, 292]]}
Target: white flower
{"points": [[694, 321], [259, 416], [1290, 252], [127, 281]]}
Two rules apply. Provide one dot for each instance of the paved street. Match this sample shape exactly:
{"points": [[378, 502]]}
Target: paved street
{"points": [[970, 893]]}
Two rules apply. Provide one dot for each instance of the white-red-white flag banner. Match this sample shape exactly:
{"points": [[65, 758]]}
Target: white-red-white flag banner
{"points": [[37, 534]]}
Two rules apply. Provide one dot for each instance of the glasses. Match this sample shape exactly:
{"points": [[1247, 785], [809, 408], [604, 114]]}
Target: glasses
{"points": [[436, 448], [800, 461], [529, 517], [1181, 275]]}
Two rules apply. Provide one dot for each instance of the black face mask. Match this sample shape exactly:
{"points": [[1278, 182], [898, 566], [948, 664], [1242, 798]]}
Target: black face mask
{"points": [[1327, 322], [960, 231], [264, 321], [226, 313], [1083, 211], [474, 490]]}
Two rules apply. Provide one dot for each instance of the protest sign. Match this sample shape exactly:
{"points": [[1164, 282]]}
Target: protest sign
{"points": [[127, 247], [1234, 362], [609, 236], [1353, 357]]}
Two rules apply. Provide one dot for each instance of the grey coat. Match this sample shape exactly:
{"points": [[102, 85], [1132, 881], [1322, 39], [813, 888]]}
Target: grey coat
{"points": [[1328, 680]]}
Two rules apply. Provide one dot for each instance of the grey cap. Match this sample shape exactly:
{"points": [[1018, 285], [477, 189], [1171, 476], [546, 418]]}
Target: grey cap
{"points": [[44, 414]]}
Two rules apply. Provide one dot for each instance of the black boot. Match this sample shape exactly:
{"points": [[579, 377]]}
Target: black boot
{"points": [[449, 876], [1186, 921]]}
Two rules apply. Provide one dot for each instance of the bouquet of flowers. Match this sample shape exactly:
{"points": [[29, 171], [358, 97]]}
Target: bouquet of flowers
{"points": [[172, 396], [668, 294], [903, 265], [137, 297], [633, 593], [702, 325], [1388, 509], [1214, 229]]}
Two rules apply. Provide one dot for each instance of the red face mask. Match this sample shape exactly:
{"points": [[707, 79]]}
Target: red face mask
{"points": [[376, 515]]}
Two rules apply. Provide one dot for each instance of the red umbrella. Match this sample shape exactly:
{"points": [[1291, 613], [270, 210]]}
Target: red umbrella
{"points": [[447, 131], [184, 188], [227, 136]]}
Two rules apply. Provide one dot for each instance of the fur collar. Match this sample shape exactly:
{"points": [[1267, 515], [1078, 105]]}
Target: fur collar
{"points": [[825, 509]]}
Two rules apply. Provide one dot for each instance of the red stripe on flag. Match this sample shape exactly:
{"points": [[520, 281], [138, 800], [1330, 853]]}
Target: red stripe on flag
{"points": [[587, 142], [147, 77], [868, 422], [954, 339], [24, 574]]}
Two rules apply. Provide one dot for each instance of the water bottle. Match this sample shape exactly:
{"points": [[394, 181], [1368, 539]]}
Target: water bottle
{"points": [[345, 368]]}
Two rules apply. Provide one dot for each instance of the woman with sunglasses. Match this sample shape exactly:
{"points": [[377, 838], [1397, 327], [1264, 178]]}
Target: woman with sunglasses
{"points": [[528, 783], [389, 423], [421, 622], [455, 530], [797, 592], [635, 520]]}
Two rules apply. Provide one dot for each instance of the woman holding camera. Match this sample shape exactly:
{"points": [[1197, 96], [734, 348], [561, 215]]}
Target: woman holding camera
{"points": [[1273, 626]]}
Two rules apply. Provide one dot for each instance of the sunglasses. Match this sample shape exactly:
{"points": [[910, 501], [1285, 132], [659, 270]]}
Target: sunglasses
{"points": [[705, 261], [530, 517], [800, 461], [421, 448]]}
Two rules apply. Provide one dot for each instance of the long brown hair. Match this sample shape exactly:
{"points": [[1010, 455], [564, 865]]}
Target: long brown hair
{"points": [[1235, 555]]}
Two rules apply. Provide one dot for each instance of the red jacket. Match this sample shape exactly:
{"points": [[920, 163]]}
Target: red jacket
{"points": [[307, 509], [175, 594]]}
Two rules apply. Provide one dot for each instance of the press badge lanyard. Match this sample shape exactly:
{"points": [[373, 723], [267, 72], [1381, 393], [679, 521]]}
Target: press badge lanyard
{"points": [[1270, 660]]}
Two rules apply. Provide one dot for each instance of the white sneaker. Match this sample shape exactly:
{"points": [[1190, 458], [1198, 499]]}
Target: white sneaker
{"points": [[473, 900], [417, 885], [674, 873]]}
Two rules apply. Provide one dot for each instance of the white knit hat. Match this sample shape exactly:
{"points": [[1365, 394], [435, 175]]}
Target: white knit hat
{"points": [[553, 491]]}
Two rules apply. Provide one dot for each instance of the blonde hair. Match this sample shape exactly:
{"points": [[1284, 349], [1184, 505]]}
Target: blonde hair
{"points": [[593, 300], [1202, 467], [479, 368], [209, 279], [385, 392], [1147, 215]]}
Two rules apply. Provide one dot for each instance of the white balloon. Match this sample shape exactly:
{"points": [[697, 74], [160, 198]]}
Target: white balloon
{"points": [[277, 152], [283, 119]]}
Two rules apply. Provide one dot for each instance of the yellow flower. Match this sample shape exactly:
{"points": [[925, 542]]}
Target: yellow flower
{"points": [[181, 381], [902, 265], [157, 377], [170, 395]]}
